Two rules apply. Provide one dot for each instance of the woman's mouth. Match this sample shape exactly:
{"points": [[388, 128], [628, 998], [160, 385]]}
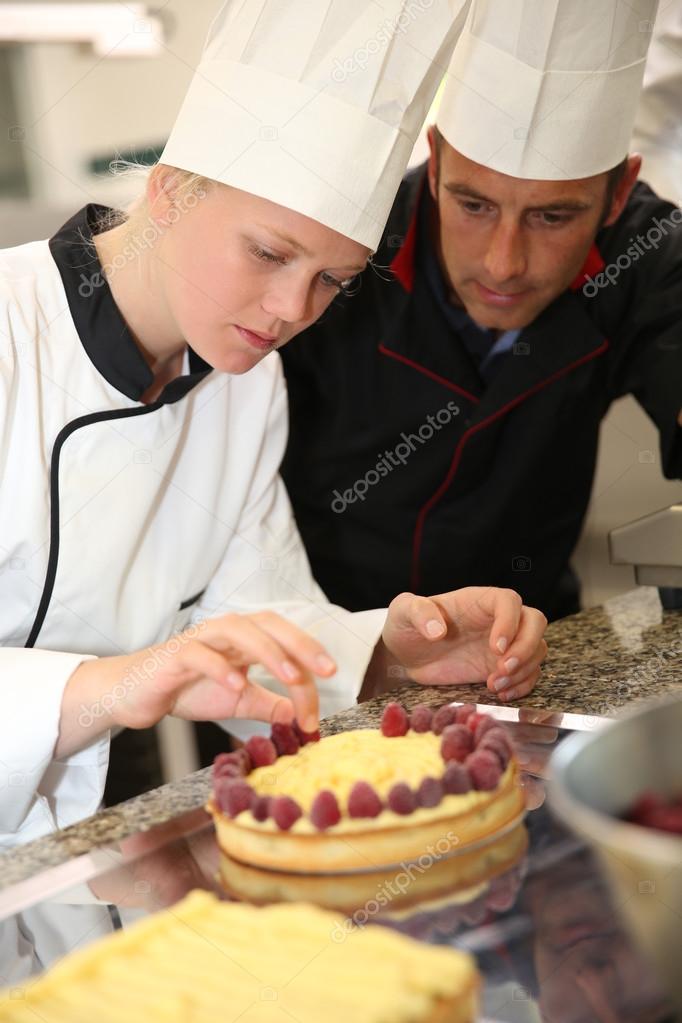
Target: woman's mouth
{"points": [[263, 342]]}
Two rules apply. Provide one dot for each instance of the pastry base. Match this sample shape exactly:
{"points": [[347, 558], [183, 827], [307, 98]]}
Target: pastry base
{"points": [[455, 879]]}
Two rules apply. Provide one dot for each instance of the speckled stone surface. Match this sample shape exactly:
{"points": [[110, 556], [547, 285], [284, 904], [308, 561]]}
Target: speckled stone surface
{"points": [[598, 661]]}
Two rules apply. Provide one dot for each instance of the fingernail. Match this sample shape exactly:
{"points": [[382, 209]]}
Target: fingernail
{"points": [[235, 681], [500, 683], [325, 664], [435, 628], [512, 664], [523, 758], [290, 671], [502, 644]]}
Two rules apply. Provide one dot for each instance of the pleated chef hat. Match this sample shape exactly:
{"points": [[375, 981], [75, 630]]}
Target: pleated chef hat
{"points": [[316, 104], [547, 88]]}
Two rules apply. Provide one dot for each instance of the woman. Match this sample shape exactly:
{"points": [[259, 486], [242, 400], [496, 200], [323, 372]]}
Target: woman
{"points": [[142, 499]]}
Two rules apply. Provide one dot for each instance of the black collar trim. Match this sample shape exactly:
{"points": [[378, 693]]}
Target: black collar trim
{"points": [[103, 332]]}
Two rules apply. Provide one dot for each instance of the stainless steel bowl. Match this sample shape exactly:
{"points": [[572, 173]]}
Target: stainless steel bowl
{"points": [[595, 778]]}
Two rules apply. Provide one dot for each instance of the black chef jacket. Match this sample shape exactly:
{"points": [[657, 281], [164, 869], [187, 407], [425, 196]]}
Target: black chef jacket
{"points": [[492, 489]]}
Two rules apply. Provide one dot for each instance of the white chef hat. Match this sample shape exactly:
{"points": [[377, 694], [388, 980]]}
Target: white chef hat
{"points": [[316, 104], [547, 89]]}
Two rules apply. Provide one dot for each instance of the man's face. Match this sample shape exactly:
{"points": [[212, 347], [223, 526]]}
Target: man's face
{"points": [[509, 245]]}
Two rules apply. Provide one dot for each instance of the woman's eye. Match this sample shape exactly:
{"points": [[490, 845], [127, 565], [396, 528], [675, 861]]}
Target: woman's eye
{"points": [[267, 257], [330, 281]]}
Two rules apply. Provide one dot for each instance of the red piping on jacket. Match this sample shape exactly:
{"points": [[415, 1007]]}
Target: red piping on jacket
{"points": [[435, 498], [427, 372]]}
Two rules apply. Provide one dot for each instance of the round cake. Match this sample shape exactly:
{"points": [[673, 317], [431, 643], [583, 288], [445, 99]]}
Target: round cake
{"points": [[422, 787]]}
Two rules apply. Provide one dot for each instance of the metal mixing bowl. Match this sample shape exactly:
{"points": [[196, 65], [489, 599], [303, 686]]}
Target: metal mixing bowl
{"points": [[595, 778]]}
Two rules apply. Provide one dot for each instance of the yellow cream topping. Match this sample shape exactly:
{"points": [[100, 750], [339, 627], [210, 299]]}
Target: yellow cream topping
{"points": [[337, 762], [205, 960]]}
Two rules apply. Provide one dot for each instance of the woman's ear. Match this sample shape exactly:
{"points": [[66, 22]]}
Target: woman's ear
{"points": [[160, 193]]}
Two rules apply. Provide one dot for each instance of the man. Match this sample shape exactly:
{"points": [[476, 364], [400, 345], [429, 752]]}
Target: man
{"points": [[445, 420]]}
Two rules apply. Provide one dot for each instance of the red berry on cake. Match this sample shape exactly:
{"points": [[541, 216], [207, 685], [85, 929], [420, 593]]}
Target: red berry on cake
{"points": [[473, 720], [284, 811], [456, 779], [421, 718], [457, 743], [394, 721], [498, 741], [285, 740], [443, 717], [261, 750], [401, 799], [233, 796], [484, 725], [464, 712], [325, 813], [232, 765], [260, 808], [484, 770], [363, 801], [305, 737], [430, 792]]}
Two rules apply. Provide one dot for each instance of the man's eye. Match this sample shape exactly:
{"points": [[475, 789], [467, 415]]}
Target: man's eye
{"points": [[267, 257], [472, 207], [551, 219]]}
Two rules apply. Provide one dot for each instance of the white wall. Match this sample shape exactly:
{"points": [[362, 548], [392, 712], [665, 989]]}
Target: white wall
{"points": [[75, 105]]}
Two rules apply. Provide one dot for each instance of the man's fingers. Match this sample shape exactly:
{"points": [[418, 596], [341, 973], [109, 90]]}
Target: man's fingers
{"points": [[407, 610], [526, 645]]}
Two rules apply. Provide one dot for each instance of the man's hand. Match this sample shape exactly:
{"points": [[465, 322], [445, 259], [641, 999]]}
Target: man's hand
{"points": [[474, 634]]}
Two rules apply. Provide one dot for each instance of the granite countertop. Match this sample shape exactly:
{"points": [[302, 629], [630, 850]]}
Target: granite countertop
{"points": [[599, 660]]}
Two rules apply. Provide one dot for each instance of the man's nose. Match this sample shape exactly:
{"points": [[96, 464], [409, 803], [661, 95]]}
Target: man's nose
{"points": [[505, 258]]}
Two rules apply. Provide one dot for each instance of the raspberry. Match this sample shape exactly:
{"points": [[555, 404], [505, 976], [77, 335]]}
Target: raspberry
{"points": [[401, 799], [484, 770], [260, 808], [231, 765], [421, 718], [284, 811], [394, 720], [233, 796], [305, 737], [284, 739], [483, 726], [497, 740], [261, 750], [324, 812], [464, 712], [457, 743], [456, 779], [443, 717], [473, 720], [430, 792], [363, 801]]}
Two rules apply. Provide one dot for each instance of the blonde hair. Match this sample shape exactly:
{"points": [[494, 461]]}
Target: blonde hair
{"points": [[137, 213]]}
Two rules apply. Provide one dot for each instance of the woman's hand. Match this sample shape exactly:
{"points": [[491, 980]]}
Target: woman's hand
{"points": [[473, 634], [200, 674]]}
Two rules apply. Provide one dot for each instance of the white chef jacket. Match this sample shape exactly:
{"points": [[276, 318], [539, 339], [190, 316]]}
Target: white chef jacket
{"points": [[120, 522], [657, 133]]}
